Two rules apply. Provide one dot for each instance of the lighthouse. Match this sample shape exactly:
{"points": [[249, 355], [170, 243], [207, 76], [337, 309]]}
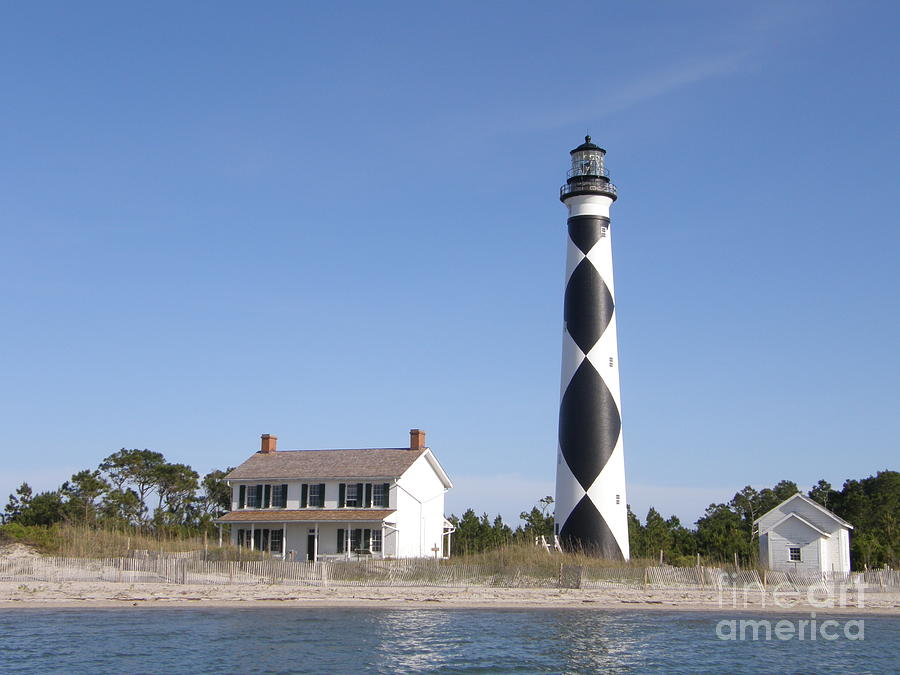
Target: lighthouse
{"points": [[591, 513]]}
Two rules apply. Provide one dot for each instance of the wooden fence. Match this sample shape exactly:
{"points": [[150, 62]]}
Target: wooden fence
{"points": [[412, 572]]}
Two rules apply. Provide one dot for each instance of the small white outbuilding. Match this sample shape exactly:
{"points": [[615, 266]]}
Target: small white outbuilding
{"points": [[800, 535]]}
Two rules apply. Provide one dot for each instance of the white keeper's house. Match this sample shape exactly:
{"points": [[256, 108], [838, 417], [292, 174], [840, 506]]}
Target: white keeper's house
{"points": [[800, 535], [328, 504]]}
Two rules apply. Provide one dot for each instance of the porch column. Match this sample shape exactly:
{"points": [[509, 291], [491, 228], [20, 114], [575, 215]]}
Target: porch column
{"points": [[219, 527], [347, 541], [251, 536], [315, 550], [284, 541]]}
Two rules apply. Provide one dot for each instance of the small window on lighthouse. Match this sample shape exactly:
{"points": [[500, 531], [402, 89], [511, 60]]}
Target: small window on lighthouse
{"points": [[612, 361], [617, 499]]}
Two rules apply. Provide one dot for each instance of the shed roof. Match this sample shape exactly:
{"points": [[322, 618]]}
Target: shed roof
{"points": [[796, 517], [305, 515], [361, 463], [815, 504]]}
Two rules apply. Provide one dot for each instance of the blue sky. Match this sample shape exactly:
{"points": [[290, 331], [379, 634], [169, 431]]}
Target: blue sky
{"points": [[334, 223]]}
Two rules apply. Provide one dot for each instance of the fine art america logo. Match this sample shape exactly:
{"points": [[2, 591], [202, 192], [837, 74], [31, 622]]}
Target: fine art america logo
{"points": [[783, 596]]}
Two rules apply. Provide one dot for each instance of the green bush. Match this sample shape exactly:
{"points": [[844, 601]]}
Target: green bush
{"points": [[38, 536]]}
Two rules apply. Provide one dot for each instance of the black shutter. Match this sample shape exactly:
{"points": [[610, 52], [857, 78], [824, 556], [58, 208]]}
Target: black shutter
{"points": [[359, 495], [342, 496], [368, 501], [366, 544], [283, 502], [259, 496], [267, 496], [242, 496], [340, 541], [321, 494], [387, 496], [304, 496]]}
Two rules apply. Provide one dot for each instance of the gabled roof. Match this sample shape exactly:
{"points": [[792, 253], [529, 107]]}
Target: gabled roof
{"points": [[321, 464], [437, 468], [809, 501], [797, 517]]}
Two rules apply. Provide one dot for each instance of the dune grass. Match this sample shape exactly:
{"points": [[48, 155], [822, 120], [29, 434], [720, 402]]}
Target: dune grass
{"points": [[523, 555], [529, 556], [78, 541]]}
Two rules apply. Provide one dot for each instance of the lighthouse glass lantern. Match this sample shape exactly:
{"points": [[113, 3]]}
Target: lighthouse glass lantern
{"points": [[588, 174], [588, 163]]}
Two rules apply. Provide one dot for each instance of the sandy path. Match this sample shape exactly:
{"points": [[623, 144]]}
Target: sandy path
{"points": [[105, 594]]}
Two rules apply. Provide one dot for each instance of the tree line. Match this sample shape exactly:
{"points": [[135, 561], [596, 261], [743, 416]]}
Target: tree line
{"points": [[129, 488], [725, 530], [141, 489]]}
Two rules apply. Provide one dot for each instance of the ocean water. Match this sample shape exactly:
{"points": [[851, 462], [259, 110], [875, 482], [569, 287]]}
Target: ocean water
{"points": [[281, 640]]}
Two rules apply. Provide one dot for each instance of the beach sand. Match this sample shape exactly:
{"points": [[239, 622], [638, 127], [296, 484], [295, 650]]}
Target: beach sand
{"points": [[107, 594], [99, 594]]}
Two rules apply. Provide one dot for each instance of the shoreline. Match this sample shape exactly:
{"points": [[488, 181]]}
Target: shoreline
{"points": [[107, 595]]}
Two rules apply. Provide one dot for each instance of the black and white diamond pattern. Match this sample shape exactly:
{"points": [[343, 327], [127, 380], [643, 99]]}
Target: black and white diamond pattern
{"points": [[590, 502]]}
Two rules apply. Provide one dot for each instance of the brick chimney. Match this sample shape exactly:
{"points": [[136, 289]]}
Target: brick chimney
{"points": [[416, 439], [268, 443]]}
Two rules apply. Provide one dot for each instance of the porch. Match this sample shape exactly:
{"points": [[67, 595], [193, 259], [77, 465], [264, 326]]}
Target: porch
{"points": [[314, 535]]}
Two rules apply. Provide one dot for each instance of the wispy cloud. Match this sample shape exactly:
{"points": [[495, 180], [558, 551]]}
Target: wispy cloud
{"points": [[666, 81], [613, 98]]}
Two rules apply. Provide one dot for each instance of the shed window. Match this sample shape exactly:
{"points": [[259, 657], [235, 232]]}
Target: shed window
{"points": [[794, 554]]}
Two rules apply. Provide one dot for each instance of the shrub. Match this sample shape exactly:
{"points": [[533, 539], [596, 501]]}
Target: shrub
{"points": [[42, 538]]}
